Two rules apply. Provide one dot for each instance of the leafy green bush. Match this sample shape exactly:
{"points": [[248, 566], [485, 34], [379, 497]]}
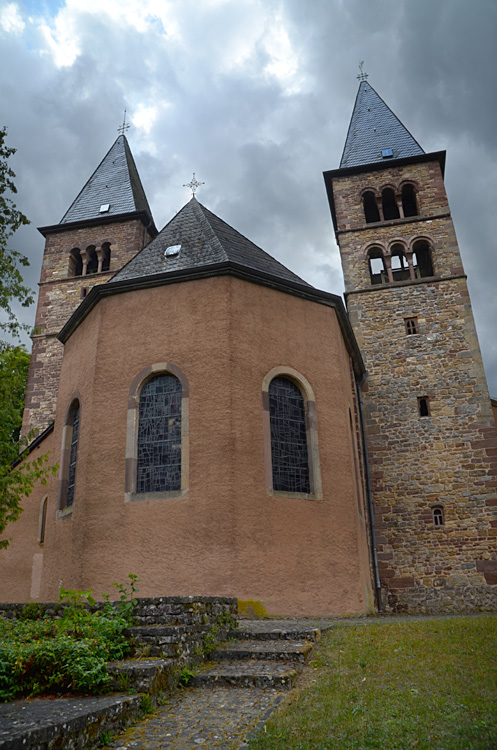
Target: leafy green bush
{"points": [[69, 654]]}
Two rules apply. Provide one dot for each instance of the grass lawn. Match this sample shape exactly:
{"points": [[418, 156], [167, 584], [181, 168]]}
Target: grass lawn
{"points": [[429, 684]]}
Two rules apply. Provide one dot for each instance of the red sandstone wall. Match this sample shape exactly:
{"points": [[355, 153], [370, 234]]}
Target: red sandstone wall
{"points": [[228, 536]]}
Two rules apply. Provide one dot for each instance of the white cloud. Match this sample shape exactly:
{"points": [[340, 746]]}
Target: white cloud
{"points": [[11, 20]]}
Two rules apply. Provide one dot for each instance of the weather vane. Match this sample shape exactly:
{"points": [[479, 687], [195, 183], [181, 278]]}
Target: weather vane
{"points": [[362, 76], [122, 129], [194, 184]]}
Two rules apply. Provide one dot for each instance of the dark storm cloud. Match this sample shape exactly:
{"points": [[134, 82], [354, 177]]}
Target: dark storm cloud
{"points": [[256, 97]]}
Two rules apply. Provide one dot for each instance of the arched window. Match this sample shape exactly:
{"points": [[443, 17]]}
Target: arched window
{"points": [[371, 212], [438, 516], [409, 203], [421, 259], [75, 262], [105, 256], [289, 457], [400, 266], [92, 260], [159, 435], [377, 270], [290, 435], [390, 208], [70, 439]]}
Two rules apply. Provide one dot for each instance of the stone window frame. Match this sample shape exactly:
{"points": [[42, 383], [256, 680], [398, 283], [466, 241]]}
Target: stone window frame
{"points": [[131, 461], [431, 247], [311, 433], [426, 401], [377, 198], [373, 247], [411, 322], [438, 512], [102, 248], [408, 248], [397, 188], [63, 509], [42, 521]]}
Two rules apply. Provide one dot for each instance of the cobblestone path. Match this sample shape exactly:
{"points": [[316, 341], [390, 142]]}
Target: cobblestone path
{"points": [[195, 717]]}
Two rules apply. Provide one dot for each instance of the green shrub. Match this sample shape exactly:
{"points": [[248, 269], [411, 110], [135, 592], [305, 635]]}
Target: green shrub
{"points": [[69, 654]]}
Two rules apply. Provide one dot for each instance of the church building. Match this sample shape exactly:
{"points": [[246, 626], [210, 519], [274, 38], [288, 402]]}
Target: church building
{"points": [[222, 427]]}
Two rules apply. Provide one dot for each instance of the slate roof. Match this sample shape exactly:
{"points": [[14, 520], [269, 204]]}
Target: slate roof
{"points": [[115, 181], [205, 239], [374, 127]]}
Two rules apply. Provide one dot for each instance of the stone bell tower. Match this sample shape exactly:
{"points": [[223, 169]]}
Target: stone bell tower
{"points": [[105, 226], [431, 436]]}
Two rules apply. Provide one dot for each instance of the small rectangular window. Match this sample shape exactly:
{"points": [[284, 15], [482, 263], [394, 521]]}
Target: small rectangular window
{"points": [[411, 326], [386, 153], [83, 292], [424, 406]]}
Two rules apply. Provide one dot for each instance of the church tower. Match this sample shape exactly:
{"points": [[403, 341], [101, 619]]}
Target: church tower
{"points": [[105, 226], [431, 436]]}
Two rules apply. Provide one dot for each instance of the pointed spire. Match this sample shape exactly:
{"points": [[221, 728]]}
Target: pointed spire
{"points": [[375, 129], [114, 188]]}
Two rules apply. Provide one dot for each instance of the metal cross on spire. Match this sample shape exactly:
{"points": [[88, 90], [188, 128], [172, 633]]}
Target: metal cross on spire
{"points": [[194, 184], [122, 128], [362, 76]]}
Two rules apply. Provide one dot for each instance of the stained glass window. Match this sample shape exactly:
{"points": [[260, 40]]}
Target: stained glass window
{"points": [[159, 435], [73, 455], [289, 456]]}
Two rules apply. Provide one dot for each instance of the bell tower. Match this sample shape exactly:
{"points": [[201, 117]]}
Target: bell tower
{"points": [[431, 436], [105, 226]]}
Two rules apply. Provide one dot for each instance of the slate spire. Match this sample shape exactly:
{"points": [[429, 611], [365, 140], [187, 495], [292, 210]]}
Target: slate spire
{"points": [[115, 183], [375, 129]]}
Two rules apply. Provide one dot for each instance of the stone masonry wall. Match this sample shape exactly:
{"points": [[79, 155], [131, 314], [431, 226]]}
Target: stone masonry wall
{"points": [[449, 458], [59, 296]]}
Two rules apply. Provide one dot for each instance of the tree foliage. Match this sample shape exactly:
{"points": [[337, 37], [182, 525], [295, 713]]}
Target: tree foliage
{"points": [[17, 477], [12, 287]]}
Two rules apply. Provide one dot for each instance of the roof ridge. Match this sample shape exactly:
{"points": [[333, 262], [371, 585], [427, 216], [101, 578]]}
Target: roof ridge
{"points": [[199, 211]]}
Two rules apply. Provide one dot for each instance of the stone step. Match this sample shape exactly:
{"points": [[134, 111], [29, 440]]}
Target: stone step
{"points": [[170, 641], [152, 676], [247, 674], [263, 650], [261, 633]]}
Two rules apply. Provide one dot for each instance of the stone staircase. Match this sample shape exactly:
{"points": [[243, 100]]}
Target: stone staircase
{"points": [[246, 673]]}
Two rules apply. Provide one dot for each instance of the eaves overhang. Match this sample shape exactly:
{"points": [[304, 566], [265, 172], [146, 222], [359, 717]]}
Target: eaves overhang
{"points": [[375, 167], [143, 216], [226, 268]]}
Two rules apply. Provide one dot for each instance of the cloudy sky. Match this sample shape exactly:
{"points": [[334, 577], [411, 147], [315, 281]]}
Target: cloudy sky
{"points": [[255, 97]]}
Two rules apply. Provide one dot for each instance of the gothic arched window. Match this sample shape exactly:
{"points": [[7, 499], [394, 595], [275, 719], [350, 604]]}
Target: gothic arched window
{"points": [[289, 457], [159, 435]]}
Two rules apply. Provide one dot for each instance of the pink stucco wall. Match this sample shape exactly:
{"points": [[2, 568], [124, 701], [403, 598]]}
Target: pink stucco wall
{"points": [[228, 536]]}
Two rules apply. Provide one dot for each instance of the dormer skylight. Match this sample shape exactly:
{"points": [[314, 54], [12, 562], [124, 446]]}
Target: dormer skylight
{"points": [[104, 208], [386, 153], [172, 250]]}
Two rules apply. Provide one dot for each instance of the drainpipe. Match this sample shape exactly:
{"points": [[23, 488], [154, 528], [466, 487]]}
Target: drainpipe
{"points": [[369, 493]]}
